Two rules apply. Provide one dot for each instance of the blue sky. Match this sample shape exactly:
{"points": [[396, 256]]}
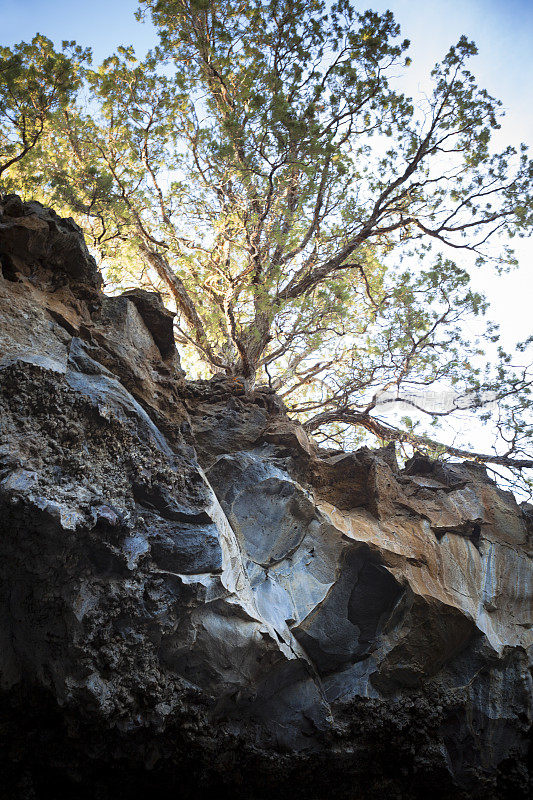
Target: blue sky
{"points": [[100, 24], [502, 29]]}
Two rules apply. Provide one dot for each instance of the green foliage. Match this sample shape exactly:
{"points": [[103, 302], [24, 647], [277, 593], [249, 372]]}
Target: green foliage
{"points": [[261, 170], [35, 82]]}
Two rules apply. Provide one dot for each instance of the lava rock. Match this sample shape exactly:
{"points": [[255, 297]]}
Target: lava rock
{"points": [[197, 600]]}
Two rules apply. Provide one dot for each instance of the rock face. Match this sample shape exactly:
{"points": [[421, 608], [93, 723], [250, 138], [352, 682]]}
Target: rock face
{"points": [[195, 598]]}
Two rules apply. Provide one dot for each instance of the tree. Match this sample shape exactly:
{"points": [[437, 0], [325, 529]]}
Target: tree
{"points": [[261, 169], [35, 81]]}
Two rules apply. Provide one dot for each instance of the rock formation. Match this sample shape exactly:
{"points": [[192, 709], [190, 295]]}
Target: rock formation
{"points": [[195, 598]]}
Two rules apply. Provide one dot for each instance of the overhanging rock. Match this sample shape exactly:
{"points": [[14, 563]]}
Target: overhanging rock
{"points": [[194, 598]]}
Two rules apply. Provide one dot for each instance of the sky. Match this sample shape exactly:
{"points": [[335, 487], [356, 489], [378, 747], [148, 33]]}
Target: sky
{"points": [[503, 32]]}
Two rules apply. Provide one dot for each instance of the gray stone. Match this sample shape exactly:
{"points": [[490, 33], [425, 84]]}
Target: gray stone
{"points": [[290, 622]]}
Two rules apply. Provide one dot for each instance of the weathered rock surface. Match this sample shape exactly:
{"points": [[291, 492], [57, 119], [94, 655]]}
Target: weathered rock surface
{"points": [[194, 598]]}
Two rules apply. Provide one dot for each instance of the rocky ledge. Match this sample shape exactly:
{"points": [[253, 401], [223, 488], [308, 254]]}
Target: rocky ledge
{"points": [[194, 598]]}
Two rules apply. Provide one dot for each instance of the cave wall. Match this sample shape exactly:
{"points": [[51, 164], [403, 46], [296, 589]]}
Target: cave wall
{"points": [[196, 598]]}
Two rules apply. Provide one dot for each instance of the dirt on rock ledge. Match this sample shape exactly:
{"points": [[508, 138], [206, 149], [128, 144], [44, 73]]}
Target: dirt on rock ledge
{"points": [[195, 599]]}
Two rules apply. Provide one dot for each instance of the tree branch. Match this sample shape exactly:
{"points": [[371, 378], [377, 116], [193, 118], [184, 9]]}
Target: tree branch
{"points": [[389, 433]]}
